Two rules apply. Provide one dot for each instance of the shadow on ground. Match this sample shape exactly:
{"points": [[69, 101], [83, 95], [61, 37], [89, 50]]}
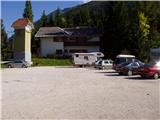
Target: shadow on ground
{"points": [[115, 74], [138, 78], [106, 72], [66, 67]]}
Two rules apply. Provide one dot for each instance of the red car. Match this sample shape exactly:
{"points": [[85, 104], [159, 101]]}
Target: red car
{"points": [[150, 70]]}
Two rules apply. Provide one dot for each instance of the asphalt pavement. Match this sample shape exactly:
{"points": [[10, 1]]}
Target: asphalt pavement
{"points": [[77, 93]]}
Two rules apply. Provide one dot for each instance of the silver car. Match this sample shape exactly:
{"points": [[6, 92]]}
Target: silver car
{"points": [[18, 63], [105, 64]]}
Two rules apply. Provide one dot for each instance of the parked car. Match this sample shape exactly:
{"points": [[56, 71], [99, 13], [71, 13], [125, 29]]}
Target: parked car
{"points": [[121, 59], [97, 63], [130, 68], [105, 64], [150, 70], [18, 63], [120, 66]]}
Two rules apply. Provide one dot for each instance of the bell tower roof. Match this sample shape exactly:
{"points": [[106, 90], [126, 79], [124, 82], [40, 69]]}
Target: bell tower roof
{"points": [[22, 22]]}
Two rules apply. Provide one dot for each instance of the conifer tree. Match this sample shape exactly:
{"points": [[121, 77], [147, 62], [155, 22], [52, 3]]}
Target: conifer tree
{"points": [[43, 19], [4, 42], [28, 11]]}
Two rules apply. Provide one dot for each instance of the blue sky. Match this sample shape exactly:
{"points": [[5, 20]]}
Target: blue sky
{"points": [[12, 10]]}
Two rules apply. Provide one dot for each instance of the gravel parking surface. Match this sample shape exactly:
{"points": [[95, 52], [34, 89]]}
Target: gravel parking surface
{"points": [[77, 93]]}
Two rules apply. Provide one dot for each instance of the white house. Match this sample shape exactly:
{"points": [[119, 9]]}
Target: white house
{"points": [[65, 41]]}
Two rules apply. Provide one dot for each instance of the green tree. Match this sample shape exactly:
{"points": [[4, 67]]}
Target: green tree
{"points": [[4, 42], [28, 11], [144, 25], [43, 19], [59, 20], [51, 20], [69, 20], [86, 18], [115, 37], [143, 42]]}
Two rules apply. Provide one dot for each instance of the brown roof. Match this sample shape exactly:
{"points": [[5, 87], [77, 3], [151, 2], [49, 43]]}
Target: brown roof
{"points": [[50, 32], [78, 31], [22, 22], [83, 31]]}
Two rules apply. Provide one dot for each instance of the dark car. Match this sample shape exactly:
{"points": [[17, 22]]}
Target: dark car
{"points": [[119, 67], [18, 63], [150, 70], [121, 59], [131, 68]]}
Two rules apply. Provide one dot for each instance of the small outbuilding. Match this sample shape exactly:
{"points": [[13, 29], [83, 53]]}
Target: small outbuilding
{"points": [[22, 39]]}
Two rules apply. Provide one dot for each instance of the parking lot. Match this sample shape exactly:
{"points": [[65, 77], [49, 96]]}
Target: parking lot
{"points": [[77, 93]]}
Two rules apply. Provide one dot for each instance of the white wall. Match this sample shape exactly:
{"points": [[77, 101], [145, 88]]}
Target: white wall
{"points": [[49, 47]]}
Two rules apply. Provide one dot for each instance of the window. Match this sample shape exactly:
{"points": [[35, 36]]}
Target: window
{"points": [[86, 57], [59, 51], [66, 51], [77, 55], [134, 64], [106, 62], [18, 61]]}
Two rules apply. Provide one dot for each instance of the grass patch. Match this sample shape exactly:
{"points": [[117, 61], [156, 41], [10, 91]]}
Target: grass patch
{"points": [[3, 65], [51, 62]]}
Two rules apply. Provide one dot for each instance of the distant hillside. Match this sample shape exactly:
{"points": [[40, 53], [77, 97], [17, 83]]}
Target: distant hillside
{"points": [[130, 27], [91, 6], [53, 14]]}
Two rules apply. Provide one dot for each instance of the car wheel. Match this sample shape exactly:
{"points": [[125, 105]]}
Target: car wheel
{"points": [[156, 76], [9, 66], [24, 66], [129, 73]]}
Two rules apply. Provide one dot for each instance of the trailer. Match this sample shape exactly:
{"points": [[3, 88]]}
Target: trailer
{"points": [[86, 59], [155, 54]]}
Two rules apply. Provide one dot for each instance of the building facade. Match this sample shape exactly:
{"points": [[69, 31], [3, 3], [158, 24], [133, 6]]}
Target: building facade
{"points": [[65, 41], [22, 39]]}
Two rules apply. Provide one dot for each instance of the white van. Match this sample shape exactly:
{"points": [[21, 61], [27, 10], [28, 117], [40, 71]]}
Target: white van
{"points": [[86, 59]]}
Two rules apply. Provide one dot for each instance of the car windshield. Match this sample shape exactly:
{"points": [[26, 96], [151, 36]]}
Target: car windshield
{"points": [[17, 61], [100, 62], [111, 61], [124, 63], [140, 63]]}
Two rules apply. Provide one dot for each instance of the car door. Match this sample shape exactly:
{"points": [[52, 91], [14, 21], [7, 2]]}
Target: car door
{"points": [[106, 63], [134, 65], [15, 63], [18, 64]]}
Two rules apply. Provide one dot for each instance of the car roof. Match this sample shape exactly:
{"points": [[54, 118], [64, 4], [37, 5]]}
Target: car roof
{"points": [[125, 56]]}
